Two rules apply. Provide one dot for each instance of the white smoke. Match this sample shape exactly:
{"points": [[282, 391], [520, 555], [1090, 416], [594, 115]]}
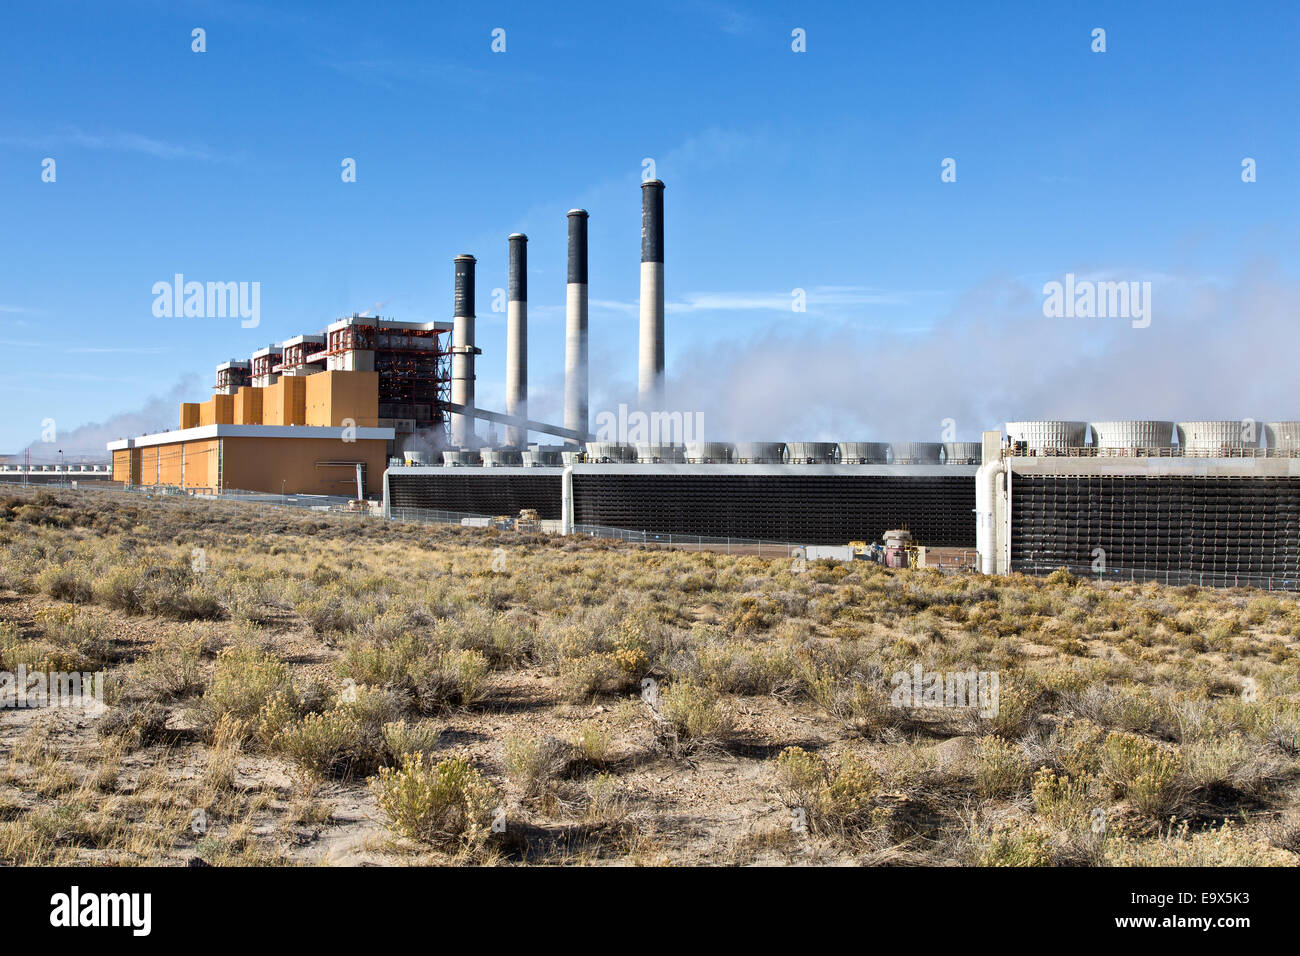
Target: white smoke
{"points": [[88, 441], [1214, 350]]}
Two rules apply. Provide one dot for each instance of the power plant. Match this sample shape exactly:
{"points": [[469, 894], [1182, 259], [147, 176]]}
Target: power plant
{"points": [[375, 406]]}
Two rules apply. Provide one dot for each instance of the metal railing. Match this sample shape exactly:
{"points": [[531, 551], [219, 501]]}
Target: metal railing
{"points": [[1157, 451]]}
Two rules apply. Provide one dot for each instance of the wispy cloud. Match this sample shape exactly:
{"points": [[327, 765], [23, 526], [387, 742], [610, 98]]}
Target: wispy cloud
{"points": [[117, 141], [728, 17], [816, 298]]}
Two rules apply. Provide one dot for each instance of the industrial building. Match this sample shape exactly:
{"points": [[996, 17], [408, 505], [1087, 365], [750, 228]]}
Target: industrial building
{"points": [[372, 406]]}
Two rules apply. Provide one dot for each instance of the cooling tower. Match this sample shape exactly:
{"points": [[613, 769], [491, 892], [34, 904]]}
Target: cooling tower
{"points": [[963, 452], [916, 452], [811, 452], [708, 452], [650, 453], [759, 452], [1048, 436], [609, 451], [459, 457], [498, 457], [1282, 436], [1217, 438], [1135, 434], [863, 452]]}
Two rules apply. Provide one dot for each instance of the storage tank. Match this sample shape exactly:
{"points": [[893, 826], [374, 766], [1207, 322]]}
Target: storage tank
{"points": [[963, 452], [501, 457], [811, 452], [1048, 436], [1282, 437], [759, 452], [916, 452], [863, 452], [609, 451], [708, 452], [459, 457]]}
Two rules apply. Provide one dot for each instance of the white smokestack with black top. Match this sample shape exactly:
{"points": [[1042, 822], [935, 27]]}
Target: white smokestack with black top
{"points": [[575, 327], [650, 365]]}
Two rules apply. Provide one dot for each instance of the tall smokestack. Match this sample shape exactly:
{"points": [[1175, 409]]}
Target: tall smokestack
{"points": [[575, 327], [517, 340], [462, 353], [650, 367]]}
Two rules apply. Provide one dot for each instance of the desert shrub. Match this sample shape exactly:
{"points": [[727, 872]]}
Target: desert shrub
{"points": [[1017, 846], [504, 640], [244, 681], [171, 669], [136, 725], [324, 745], [118, 588], [402, 740], [592, 744], [1075, 746], [1065, 802], [741, 667], [1000, 768], [1232, 762], [436, 679], [69, 582], [582, 678], [533, 762], [1218, 847], [73, 630], [1143, 771], [855, 700], [446, 803], [834, 797], [694, 716]]}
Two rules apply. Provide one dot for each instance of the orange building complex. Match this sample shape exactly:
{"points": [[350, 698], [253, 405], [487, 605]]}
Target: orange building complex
{"points": [[302, 416]]}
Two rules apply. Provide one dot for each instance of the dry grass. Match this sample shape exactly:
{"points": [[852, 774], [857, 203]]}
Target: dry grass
{"points": [[308, 694]]}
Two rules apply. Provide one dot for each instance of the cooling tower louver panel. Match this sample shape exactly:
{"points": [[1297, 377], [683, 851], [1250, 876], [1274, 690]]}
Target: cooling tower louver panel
{"points": [[1179, 530]]}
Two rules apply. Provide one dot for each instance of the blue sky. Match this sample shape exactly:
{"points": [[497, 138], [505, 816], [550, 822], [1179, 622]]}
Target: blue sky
{"points": [[816, 170]]}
